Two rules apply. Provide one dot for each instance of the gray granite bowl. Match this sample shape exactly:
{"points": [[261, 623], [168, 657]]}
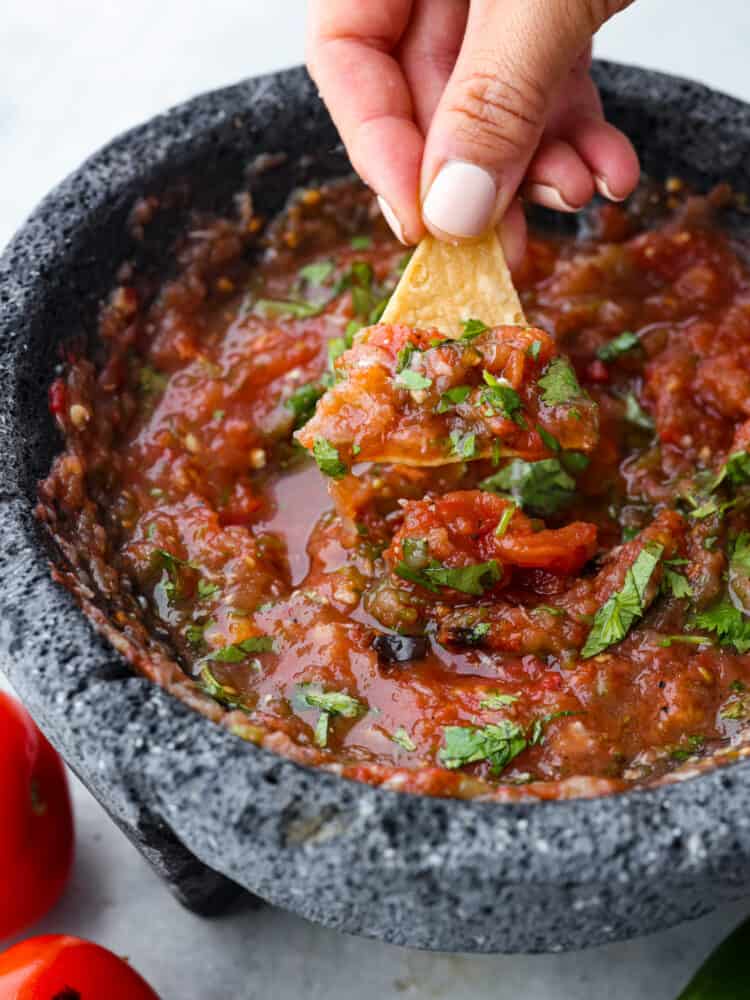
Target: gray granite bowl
{"points": [[213, 813]]}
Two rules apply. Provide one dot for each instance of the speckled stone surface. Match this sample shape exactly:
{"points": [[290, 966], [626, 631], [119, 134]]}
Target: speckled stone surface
{"points": [[411, 870]]}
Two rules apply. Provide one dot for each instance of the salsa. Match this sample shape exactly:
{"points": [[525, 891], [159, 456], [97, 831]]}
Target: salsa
{"points": [[561, 608]]}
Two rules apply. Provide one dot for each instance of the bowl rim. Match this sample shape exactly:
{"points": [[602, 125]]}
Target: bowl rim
{"points": [[611, 826]]}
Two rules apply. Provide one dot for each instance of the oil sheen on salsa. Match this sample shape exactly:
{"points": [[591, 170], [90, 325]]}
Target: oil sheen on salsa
{"points": [[565, 616]]}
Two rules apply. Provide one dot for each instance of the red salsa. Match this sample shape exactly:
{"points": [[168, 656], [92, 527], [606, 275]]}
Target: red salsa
{"points": [[562, 609]]}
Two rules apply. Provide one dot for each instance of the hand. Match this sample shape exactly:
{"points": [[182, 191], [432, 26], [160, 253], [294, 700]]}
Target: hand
{"points": [[451, 108]]}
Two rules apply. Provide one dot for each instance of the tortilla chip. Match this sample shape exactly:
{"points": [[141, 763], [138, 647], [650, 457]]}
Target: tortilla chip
{"points": [[445, 284]]}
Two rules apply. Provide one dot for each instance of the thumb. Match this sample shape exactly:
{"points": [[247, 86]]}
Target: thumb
{"points": [[514, 57]]}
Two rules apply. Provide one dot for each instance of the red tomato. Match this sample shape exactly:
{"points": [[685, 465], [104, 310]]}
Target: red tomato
{"points": [[36, 820], [58, 967]]}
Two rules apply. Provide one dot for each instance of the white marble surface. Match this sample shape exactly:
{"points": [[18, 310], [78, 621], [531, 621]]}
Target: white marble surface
{"points": [[73, 73]]}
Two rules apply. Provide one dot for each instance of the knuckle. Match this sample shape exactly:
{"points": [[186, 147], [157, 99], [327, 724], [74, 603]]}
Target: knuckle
{"points": [[598, 12], [493, 111]]}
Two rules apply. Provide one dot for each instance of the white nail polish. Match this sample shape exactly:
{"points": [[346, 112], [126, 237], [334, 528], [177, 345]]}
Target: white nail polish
{"points": [[392, 219], [461, 201], [549, 197], [603, 188]]}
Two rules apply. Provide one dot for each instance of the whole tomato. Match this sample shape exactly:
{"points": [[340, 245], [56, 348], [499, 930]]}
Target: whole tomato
{"points": [[58, 967], [36, 820]]}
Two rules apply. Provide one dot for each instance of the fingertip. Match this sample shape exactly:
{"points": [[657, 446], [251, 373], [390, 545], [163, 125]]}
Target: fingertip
{"points": [[608, 154], [558, 178], [513, 234]]}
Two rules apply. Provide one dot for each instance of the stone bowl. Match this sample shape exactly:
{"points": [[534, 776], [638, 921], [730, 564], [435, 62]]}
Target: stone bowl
{"points": [[213, 813]]}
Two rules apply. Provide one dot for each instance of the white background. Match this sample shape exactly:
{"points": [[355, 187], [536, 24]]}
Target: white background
{"points": [[73, 73]]}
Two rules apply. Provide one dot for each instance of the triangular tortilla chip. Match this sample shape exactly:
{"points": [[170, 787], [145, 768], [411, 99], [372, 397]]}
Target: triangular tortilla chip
{"points": [[445, 284]]}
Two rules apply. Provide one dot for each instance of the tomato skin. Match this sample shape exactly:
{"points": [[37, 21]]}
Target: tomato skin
{"points": [[59, 967], [36, 820]]}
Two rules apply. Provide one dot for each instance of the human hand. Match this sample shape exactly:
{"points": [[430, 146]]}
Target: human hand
{"points": [[450, 109]]}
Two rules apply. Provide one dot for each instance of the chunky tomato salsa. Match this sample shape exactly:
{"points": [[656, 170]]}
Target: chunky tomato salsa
{"points": [[550, 598]]}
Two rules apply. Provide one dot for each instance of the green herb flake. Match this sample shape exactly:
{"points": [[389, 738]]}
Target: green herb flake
{"points": [[544, 486], [498, 743], [473, 328], [361, 242], [333, 702], [496, 700], [505, 518], [533, 349], [728, 623], [412, 380], [218, 415], [225, 694], [320, 733], [619, 345], [317, 272], [614, 619], [151, 381], [240, 651], [404, 740], [735, 470], [548, 609], [302, 402], [575, 462], [452, 397], [691, 746], [502, 398], [328, 459], [675, 584], [686, 640], [636, 415], [548, 440], [559, 383], [463, 445], [473, 579], [739, 559], [207, 589]]}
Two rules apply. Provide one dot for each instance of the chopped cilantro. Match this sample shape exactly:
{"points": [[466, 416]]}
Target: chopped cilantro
{"points": [[542, 486], [709, 541], [636, 415], [548, 609], [317, 272], [283, 307], [173, 567], [419, 568], [404, 356], [329, 703], [735, 710], [731, 627], [496, 700], [505, 518], [473, 634], [194, 633], [614, 619], [223, 693], [452, 397], [463, 445], [619, 345], [687, 640], [240, 651], [218, 415], [738, 685], [328, 459], [207, 589], [302, 402], [498, 744], [736, 470], [537, 729], [675, 584], [533, 349], [559, 383], [692, 745], [739, 560], [412, 380], [361, 242], [575, 461], [473, 328], [502, 398], [548, 440], [404, 740]]}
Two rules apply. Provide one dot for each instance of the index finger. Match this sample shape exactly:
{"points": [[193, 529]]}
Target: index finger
{"points": [[350, 57]]}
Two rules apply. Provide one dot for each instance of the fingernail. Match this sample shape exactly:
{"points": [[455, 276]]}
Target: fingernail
{"points": [[461, 201], [603, 188], [549, 197], [392, 219]]}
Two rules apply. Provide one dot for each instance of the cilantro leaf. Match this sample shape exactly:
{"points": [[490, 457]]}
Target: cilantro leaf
{"points": [[548, 440], [317, 272], [505, 518], [543, 486], [328, 459], [473, 328], [472, 579], [452, 397], [207, 589], [636, 415], [333, 702], [575, 461], [404, 740], [463, 445], [498, 743], [739, 560], [731, 627], [559, 383], [736, 469], [240, 651], [614, 619], [225, 694], [619, 345], [302, 402], [497, 700], [533, 349], [502, 398], [675, 584], [360, 242], [412, 380]]}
